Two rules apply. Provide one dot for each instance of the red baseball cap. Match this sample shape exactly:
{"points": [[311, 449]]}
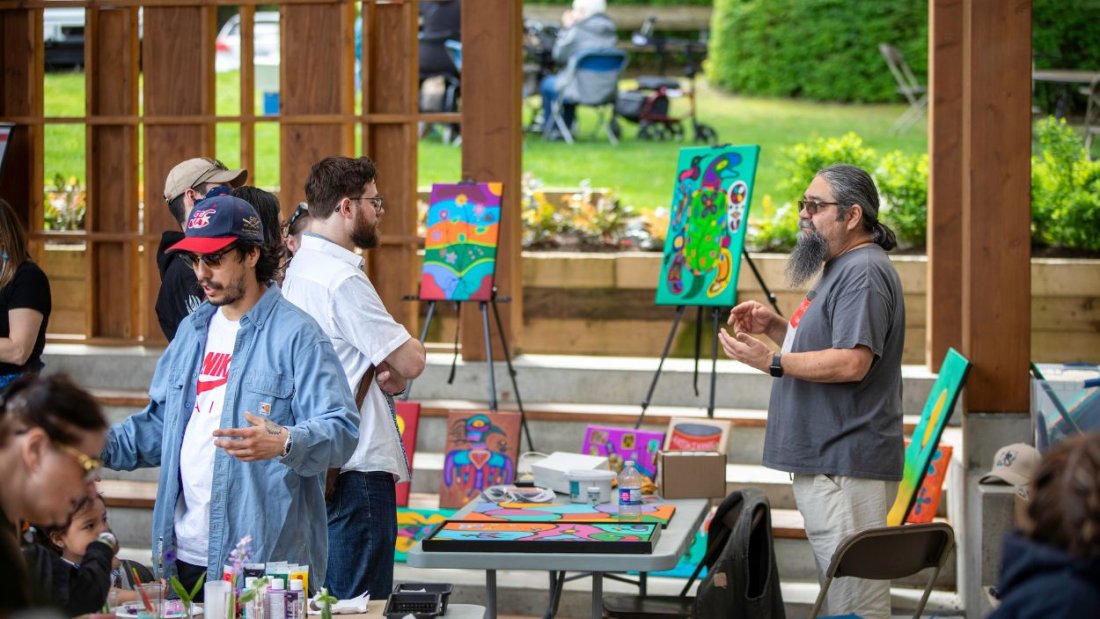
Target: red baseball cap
{"points": [[217, 222]]}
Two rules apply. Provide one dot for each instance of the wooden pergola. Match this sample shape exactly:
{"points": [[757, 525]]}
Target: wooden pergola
{"points": [[979, 146]]}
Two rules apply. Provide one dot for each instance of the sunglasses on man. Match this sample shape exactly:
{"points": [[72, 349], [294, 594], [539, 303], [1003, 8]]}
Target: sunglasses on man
{"points": [[212, 260]]}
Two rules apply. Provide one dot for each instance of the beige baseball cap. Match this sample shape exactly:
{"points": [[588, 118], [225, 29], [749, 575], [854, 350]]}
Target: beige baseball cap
{"points": [[1013, 464], [197, 171]]}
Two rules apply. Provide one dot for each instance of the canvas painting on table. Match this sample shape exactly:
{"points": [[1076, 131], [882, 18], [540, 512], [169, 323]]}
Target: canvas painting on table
{"points": [[542, 537], [686, 434], [652, 511], [926, 436], [408, 418], [481, 451], [414, 525], [460, 245], [707, 222], [622, 444]]}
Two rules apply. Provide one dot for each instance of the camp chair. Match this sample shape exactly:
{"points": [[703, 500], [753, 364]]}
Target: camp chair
{"points": [[887, 553], [914, 93], [590, 78]]}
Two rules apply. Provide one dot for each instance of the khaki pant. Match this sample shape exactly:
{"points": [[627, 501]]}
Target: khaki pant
{"points": [[834, 507]]}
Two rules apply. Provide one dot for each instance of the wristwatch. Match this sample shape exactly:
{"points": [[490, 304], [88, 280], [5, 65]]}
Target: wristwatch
{"points": [[289, 443], [776, 368]]}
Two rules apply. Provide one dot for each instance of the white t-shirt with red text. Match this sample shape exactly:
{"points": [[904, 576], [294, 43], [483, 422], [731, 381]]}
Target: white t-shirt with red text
{"points": [[197, 451]]}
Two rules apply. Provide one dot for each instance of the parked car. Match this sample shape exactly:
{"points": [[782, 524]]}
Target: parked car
{"points": [[63, 37], [227, 46]]}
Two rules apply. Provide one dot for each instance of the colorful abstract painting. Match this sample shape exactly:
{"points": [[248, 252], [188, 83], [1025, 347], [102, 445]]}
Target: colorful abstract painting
{"points": [[707, 223], [686, 434], [542, 537], [481, 451], [926, 436], [408, 419], [414, 525], [460, 246], [694, 554], [931, 489], [659, 513], [622, 444]]}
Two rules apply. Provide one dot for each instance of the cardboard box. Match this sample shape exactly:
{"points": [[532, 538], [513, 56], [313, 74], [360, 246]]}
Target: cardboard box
{"points": [[551, 471], [692, 475]]}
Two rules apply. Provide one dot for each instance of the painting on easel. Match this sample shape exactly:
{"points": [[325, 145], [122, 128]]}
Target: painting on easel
{"points": [[460, 247], [707, 223], [481, 451]]}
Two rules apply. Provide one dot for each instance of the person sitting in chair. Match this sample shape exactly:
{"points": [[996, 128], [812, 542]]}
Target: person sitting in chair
{"points": [[585, 26]]}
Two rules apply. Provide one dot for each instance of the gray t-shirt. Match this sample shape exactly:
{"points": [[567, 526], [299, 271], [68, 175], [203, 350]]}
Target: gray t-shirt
{"points": [[855, 428]]}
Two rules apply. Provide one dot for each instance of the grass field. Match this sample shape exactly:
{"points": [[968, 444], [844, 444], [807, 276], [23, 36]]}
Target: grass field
{"points": [[640, 172]]}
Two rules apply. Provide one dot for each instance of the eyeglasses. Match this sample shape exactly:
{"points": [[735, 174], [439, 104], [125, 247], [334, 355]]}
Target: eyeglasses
{"points": [[90, 465], [376, 200], [301, 211], [813, 206], [213, 260]]}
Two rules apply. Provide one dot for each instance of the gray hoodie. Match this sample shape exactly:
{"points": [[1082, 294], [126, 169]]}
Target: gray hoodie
{"points": [[594, 31]]}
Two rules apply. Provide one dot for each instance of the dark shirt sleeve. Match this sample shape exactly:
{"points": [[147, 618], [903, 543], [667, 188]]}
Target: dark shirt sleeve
{"points": [[179, 294], [30, 290], [90, 583]]}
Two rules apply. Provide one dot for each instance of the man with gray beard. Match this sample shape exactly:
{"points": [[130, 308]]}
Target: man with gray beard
{"points": [[834, 419]]}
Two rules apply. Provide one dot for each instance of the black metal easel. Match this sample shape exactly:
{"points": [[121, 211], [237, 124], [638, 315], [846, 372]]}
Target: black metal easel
{"points": [[715, 315], [484, 307]]}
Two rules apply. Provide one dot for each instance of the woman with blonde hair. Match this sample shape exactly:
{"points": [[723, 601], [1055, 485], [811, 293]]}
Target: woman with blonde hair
{"points": [[24, 302]]}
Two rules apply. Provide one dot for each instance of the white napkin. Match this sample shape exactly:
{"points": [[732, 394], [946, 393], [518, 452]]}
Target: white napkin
{"points": [[354, 606]]}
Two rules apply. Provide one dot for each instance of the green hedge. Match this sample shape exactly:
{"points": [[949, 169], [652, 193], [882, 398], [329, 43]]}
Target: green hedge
{"points": [[828, 49], [631, 2]]}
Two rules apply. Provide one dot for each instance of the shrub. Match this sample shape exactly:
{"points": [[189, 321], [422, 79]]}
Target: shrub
{"points": [[814, 49], [776, 233], [903, 188], [1065, 189], [806, 159]]}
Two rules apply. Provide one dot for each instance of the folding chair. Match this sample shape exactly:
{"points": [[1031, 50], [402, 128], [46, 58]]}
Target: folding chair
{"points": [[1092, 113], [914, 93], [590, 78], [887, 553]]}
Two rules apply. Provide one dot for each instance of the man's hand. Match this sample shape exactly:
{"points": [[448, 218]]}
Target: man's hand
{"points": [[746, 349], [388, 379], [263, 440], [751, 317]]}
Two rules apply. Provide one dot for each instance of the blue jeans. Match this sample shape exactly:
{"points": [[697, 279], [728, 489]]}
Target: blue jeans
{"points": [[550, 94], [362, 533]]}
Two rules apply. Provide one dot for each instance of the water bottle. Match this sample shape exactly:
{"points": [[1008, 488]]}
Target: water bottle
{"points": [[630, 493]]}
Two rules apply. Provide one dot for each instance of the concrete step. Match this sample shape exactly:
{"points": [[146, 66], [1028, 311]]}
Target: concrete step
{"points": [[541, 378]]}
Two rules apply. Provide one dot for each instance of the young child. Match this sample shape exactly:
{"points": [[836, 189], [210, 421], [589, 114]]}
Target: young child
{"points": [[75, 558]]}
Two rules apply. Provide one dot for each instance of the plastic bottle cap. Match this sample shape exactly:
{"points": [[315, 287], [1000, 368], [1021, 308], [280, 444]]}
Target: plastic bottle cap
{"points": [[277, 584], [296, 584]]}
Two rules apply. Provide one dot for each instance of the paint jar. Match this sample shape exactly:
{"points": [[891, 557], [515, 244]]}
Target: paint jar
{"points": [[580, 480], [594, 495]]}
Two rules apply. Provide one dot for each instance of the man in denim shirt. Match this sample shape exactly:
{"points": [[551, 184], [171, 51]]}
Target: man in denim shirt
{"points": [[248, 408]]}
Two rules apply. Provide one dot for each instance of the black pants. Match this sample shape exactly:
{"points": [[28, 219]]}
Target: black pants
{"points": [[189, 575]]}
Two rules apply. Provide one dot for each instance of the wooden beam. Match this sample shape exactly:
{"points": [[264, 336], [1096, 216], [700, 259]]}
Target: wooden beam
{"points": [[111, 48], [492, 148], [179, 81], [945, 170], [21, 93], [390, 85], [996, 222], [306, 88]]}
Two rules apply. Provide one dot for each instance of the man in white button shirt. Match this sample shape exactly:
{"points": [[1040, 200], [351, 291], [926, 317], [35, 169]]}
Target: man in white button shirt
{"points": [[326, 279]]}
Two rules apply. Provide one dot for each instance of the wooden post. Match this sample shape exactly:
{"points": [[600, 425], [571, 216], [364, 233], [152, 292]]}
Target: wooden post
{"points": [[111, 51], [945, 171], [315, 77], [996, 221], [390, 74], [178, 65], [21, 94], [492, 70]]}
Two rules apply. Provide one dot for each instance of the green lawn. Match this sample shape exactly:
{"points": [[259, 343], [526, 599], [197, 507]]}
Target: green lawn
{"points": [[639, 171]]}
